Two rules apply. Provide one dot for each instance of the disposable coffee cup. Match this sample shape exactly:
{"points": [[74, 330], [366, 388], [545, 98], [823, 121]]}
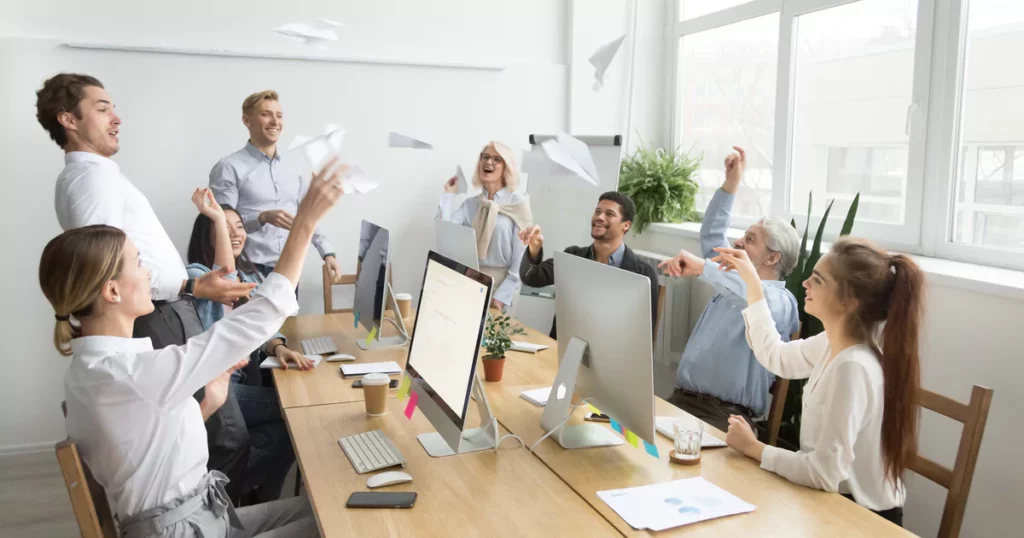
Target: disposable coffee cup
{"points": [[404, 301], [375, 394]]}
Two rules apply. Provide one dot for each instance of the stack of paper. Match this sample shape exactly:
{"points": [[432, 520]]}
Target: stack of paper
{"points": [[359, 370], [537, 397], [273, 362], [527, 347], [663, 506]]}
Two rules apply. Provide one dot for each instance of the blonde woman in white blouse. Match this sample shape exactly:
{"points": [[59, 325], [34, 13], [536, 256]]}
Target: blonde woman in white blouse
{"points": [[130, 407], [859, 419]]}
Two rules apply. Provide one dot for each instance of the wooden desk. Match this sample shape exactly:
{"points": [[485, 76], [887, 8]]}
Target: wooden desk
{"points": [[503, 493], [324, 384]]}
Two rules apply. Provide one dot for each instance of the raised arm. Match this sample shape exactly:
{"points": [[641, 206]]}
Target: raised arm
{"points": [[532, 270], [791, 360], [208, 206], [715, 224]]}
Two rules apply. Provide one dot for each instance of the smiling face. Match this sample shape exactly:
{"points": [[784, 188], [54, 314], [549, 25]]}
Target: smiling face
{"points": [[236, 232], [607, 224], [753, 242], [491, 167], [94, 127], [824, 299], [265, 122]]}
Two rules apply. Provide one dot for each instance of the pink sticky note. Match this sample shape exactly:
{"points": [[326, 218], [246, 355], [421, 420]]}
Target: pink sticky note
{"points": [[411, 406]]}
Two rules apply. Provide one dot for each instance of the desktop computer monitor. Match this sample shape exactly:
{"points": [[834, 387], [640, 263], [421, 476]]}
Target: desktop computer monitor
{"points": [[373, 290], [443, 354], [457, 243], [605, 351]]}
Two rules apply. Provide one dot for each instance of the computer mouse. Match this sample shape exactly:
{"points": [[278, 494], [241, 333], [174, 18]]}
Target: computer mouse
{"points": [[389, 478], [337, 357]]}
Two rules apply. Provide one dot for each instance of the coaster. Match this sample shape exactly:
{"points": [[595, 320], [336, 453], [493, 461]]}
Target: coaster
{"points": [[683, 460]]}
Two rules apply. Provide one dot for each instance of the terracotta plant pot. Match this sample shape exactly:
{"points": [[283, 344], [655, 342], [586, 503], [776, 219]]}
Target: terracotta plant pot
{"points": [[494, 367]]}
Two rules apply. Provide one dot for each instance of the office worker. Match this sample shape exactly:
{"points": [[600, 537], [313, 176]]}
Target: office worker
{"points": [[264, 186], [79, 115], [218, 240], [858, 429], [718, 375], [130, 409], [497, 215], [612, 218]]}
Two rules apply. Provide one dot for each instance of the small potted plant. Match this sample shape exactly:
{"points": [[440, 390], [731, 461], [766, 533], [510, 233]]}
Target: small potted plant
{"points": [[497, 340]]}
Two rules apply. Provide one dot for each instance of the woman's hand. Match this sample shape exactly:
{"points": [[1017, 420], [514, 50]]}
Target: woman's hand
{"points": [[734, 259], [216, 392], [742, 439], [286, 355], [497, 305], [451, 186], [207, 204]]}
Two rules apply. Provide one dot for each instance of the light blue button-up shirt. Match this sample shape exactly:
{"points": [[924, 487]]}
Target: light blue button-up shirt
{"points": [[505, 250], [717, 360], [615, 258], [252, 182]]}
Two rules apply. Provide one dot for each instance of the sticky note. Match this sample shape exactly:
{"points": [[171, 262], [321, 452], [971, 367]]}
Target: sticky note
{"points": [[617, 427], [371, 336], [593, 409], [411, 406], [356, 324], [632, 439], [403, 388], [651, 449]]}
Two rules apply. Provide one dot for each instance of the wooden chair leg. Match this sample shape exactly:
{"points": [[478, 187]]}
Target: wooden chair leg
{"points": [[298, 479]]}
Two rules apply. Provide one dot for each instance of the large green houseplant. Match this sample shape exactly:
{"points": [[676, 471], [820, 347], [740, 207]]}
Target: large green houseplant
{"points": [[789, 430], [662, 184]]}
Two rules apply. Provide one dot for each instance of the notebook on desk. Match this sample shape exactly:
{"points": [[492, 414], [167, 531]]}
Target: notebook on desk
{"points": [[361, 369], [527, 347]]}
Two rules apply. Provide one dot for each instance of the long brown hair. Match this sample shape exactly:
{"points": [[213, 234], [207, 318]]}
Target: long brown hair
{"points": [[73, 268], [888, 288]]}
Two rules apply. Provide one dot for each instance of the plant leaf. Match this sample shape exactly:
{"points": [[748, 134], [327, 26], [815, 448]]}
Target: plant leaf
{"points": [[850, 215]]}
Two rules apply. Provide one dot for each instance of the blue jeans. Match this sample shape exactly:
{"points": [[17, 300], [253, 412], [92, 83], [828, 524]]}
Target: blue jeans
{"points": [[271, 454]]}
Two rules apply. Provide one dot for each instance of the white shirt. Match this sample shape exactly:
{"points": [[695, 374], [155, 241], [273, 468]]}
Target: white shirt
{"points": [[92, 190], [841, 424], [131, 410]]}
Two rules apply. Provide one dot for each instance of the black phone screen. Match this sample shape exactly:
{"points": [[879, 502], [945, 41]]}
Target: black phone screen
{"points": [[358, 384], [382, 499]]}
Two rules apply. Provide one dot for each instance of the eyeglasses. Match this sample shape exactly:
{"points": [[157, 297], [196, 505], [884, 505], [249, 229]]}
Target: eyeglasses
{"points": [[492, 158]]}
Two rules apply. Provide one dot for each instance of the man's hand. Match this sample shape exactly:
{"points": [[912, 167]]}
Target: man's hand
{"points": [[217, 390], [333, 268], [684, 264], [497, 305], [735, 165], [533, 238], [451, 186], [277, 217], [213, 287]]}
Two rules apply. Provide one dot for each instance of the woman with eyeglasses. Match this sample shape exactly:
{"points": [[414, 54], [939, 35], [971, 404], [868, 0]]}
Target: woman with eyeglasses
{"points": [[497, 215]]}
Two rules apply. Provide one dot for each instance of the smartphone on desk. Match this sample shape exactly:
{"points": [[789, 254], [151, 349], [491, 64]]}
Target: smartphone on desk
{"points": [[595, 417], [382, 499], [358, 384]]}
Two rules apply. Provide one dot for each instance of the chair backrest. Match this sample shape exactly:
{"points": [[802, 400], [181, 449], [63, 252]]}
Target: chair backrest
{"points": [[329, 283], [958, 479], [88, 499], [779, 390]]}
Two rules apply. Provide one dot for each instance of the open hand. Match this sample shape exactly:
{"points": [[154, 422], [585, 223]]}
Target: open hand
{"points": [[286, 355], [216, 392], [213, 287], [207, 204], [734, 259], [533, 238], [325, 189]]}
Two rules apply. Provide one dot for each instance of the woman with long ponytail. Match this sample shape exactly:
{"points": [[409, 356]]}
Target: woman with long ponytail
{"points": [[859, 419]]}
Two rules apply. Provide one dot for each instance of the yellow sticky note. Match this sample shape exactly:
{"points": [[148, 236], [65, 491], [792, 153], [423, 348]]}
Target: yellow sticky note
{"points": [[631, 438], [371, 336], [593, 409], [403, 388]]}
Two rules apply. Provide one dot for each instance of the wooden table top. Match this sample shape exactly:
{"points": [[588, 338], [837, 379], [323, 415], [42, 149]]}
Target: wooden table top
{"points": [[783, 508]]}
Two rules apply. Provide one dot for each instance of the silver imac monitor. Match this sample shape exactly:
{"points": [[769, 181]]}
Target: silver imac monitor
{"points": [[457, 243], [373, 290], [443, 355], [605, 350]]}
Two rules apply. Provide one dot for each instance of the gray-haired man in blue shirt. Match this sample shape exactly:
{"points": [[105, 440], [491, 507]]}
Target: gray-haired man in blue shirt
{"points": [[718, 375], [263, 187]]}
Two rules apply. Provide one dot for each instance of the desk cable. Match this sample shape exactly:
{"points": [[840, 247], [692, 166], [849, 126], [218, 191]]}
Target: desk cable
{"points": [[560, 424]]}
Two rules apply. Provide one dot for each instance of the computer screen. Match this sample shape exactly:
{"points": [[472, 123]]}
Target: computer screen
{"points": [[456, 242], [449, 327], [373, 275]]}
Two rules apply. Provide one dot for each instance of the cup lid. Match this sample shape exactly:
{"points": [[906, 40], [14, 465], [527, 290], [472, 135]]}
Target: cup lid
{"points": [[376, 378], [403, 296]]}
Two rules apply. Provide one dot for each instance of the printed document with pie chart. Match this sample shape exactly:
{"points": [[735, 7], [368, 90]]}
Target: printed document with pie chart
{"points": [[671, 504]]}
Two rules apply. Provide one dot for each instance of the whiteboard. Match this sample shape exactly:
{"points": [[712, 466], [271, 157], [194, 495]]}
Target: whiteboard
{"points": [[563, 204]]}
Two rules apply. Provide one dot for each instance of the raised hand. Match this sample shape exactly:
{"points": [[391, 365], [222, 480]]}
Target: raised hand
{"points": [[325, 190], [216, 392], [683, 264], [207, 204], [735, 165], [451, 186], [533, 238]]}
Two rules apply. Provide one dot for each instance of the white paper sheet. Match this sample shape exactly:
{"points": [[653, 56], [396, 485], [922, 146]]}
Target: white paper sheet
{"points": [[359, 370], [538, 397], [527, 347], [602, 58], [573, 155], [398, 140], [273, 362], [671, 504], [461, 185], [316, 33], [356, 181]]}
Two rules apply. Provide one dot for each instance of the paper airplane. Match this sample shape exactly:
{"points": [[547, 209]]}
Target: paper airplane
{"points": [[573, 156], [356, 181], [318, 149], [461, 185], [397, 140], [602, 58], [316, 33]]}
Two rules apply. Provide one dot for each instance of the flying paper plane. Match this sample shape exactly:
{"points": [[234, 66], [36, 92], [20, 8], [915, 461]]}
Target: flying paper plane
{"points": [[461, 185], [316, 33], [572, 155], [602, 58], [397, 140], [321, 148]]}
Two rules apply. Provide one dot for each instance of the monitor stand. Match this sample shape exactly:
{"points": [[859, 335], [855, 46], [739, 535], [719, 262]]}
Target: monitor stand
{"points": [[385, 342], [473, 439], [560, 404]]}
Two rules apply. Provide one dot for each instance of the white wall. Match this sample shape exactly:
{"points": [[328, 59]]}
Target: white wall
{"points": [[182, 113], [968, 338]]}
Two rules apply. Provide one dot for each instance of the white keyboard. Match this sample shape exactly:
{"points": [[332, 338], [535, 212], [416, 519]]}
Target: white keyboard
{"points": [[370, 451], [319, 346], [664, 427]]}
